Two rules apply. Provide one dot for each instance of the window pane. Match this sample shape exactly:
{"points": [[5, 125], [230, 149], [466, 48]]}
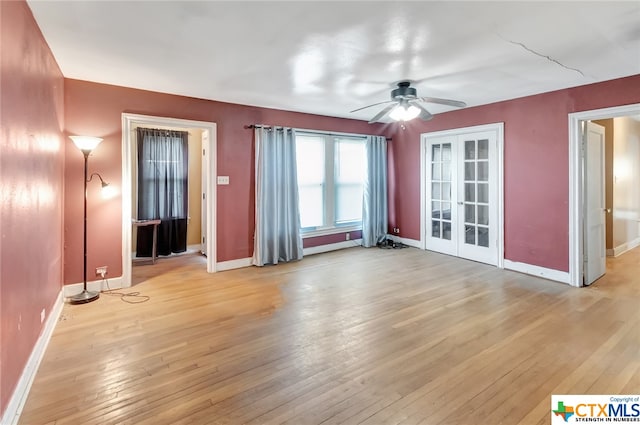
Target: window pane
{"points": [[435, 171], [446, 152], [469, 171], [350, 162], [446, 171], [435, 228], [331, 173], [311, 180], [310, 159], [350, 171], [483, 149], [446, 191], [483, 192], [446, 230], [446, 210], [435, 209], [435, 191], [435, 153], [470, 235], [469, 192], [483, 236], [311, 205], [348, 203], [470, 149], [483, 171], [470, 213], [483, 214]]}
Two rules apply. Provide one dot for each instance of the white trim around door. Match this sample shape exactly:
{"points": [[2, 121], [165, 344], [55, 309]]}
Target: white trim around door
{"points": [[128, 123], [498, 130], [576, 186]]}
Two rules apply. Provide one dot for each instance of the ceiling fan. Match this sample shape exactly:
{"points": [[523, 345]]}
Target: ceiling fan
{"points": [[405, 105]]}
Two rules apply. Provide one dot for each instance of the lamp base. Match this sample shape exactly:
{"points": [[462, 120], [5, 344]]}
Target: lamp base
{"points": [[84, 297]]}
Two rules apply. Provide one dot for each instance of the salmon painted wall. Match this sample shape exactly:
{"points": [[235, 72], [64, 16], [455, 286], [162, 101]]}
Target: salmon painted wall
{"points": [[31, 173], [96, 109], [536, 170]]}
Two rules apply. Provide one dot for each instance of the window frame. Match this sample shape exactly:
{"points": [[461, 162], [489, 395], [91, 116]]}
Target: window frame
{"points": [[330, 227]]}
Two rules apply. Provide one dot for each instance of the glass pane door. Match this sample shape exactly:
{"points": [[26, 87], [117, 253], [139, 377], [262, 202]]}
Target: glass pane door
{"points": [[476, 192], [441, 181], [459, 211]]}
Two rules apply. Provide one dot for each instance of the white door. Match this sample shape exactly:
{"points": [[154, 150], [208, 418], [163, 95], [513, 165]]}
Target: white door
{"points": [[477, 197], [441, 196], [205, 178], [594, 203], [462, 196]]}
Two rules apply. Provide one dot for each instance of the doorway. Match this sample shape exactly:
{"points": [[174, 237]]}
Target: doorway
{"points": [[461, 193], [131, 121], [186, 191], [588, 207]]}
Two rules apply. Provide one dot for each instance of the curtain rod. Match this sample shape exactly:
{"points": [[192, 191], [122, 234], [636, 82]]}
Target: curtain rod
{"points": [[267, 127], [162, 129], [302, 130]]}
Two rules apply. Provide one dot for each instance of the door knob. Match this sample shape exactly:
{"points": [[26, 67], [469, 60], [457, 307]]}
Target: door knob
{"points": [[607, 210], [460, 203]]}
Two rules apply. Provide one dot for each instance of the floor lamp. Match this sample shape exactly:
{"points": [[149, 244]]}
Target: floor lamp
{"points": [[86, 144]]}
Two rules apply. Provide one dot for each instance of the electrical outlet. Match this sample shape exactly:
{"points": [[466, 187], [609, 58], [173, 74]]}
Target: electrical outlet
{"points": [[396, 230], [347, 235], [101, 271]]}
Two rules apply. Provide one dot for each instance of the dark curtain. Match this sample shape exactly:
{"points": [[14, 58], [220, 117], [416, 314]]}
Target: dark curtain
{"points": [[162, 190]]}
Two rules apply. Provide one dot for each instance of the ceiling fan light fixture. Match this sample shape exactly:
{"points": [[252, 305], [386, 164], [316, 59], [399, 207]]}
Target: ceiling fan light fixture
{"points": [[404, 113]]}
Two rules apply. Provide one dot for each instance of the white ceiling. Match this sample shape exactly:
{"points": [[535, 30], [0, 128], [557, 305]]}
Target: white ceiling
{"points": [[332, 57]]}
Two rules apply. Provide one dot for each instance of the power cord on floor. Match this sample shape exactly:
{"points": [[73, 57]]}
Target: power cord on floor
{"points": [[127, 297], [389, 243]]}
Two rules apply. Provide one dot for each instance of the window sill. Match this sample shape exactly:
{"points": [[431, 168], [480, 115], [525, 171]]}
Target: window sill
{"points": [[331, 231]]}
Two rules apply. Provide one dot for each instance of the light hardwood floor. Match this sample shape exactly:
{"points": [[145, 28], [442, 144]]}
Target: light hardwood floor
{"points": [[355, 337]]}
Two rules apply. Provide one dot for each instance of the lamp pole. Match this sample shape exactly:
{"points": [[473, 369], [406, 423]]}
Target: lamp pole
{"points": [[85, 296]]}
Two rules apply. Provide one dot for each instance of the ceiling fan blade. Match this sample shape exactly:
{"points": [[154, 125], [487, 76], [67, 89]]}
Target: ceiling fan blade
{"points": [[369, 106], [424, 114], [456, 103], [382, 113]]}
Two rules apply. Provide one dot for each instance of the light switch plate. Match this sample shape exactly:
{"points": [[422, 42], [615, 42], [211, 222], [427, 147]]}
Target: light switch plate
{"points": [[223, 179]]}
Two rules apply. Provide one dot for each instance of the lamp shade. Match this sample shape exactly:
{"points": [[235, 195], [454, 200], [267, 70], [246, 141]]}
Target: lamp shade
{"points": [[86, 143], [404, 113]]}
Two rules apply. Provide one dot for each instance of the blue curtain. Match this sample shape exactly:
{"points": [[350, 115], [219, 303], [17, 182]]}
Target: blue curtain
{"points": [[277, 235], [163, 194], [374, 204]]}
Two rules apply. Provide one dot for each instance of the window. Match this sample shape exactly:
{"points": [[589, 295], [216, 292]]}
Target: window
{"points": [[331, 173]]}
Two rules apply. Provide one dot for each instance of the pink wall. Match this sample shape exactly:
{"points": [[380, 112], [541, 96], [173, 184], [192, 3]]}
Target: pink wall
{"points": [[31, 173], [96, 109], [536, 171]]}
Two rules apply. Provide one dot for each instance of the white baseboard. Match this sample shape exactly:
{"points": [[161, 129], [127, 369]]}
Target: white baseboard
{"points": [[246, 262], [194, 248], [20, 394], [621, 249], [96, 285], [233, 264], [332, 247], [543, 272], [409, 242]]}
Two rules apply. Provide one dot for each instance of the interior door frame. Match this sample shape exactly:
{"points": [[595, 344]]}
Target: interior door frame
{"points": [[499, 129], [576, 184], [128, 123], [204, 178]]}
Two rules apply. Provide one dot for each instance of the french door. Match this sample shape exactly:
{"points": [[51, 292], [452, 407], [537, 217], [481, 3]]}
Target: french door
{"points": [[461, 211]]}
